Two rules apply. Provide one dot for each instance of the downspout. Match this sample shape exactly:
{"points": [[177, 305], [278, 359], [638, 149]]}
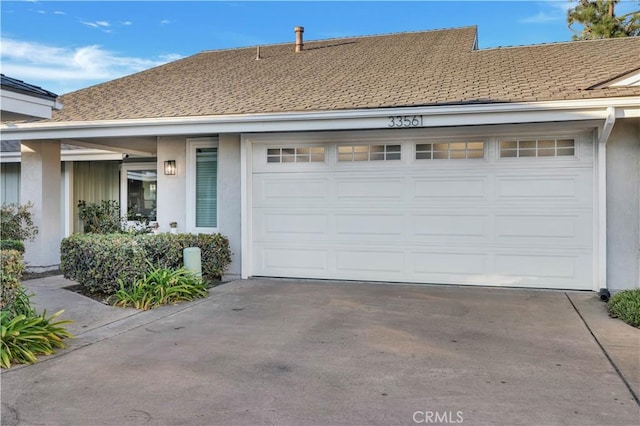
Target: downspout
{"points": [[603, 138]]}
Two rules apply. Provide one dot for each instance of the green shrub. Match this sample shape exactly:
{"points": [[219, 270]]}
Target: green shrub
{"points": [[98, 261], [12, 245], [25, 336], [12, 269], [626, 306], [16, 222], [101, 218], [160, 286]]}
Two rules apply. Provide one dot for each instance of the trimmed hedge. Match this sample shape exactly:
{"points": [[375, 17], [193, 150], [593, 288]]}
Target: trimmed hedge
{"points": [[12, 269], [97, 261], [12, 245]]}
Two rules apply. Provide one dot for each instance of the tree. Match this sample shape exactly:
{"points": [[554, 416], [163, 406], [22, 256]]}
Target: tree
{"points": [[598, 20]]}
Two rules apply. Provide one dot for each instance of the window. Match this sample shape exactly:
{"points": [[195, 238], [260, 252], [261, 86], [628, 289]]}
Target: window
{"points": [[302, 154], [369, 152], [139, 191], [449, 150], [202, 184], [537, 148]]}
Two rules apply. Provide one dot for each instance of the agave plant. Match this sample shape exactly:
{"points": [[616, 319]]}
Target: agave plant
{"points": [[25, 336], [161, 286]]}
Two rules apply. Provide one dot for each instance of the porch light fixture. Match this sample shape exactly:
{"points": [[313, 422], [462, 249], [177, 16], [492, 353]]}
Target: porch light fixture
{"points": [[170, 167]]}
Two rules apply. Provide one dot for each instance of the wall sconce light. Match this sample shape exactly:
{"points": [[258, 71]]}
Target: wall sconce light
{"points": [[170, 167]]}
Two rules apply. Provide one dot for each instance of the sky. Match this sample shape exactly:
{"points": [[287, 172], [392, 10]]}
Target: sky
{"points": [[66, 46]]}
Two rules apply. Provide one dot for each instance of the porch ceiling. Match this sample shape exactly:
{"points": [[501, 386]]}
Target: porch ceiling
{"points": [[140, 145]]}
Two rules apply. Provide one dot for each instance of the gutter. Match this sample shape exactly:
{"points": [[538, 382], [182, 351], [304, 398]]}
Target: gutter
{"points": [[375, 118], [601, 153]]}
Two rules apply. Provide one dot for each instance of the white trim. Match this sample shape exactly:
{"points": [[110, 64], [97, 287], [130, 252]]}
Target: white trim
{"points": [[375, 118], [69, 155], [124, 194], [601, 184], [192, 145], [246, 191], [68, 198], [27, 105]]}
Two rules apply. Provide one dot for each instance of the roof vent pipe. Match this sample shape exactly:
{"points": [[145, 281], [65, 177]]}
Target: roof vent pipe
{"points": [[299, 44]]}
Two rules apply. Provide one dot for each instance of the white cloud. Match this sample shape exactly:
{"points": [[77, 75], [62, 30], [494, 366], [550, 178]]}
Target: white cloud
{"points": [[127, 23], [553, 11], [165, 22], [96, 24], [540, 18], [59, 12], [61, 69]]}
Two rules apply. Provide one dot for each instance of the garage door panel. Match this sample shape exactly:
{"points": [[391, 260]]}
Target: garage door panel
{"points": [[448, 262], [271, 190], [449, 227], [350, 188], [291, 226], [546, 266], [369, 226], [536, 187], [283, 261], [450, 188], [365, 261], [544, 229]]}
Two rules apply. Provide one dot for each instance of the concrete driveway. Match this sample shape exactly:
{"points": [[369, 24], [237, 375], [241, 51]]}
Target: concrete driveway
{"points": [[324, 353]]}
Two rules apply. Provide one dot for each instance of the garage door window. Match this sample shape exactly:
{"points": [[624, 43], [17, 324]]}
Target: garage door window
{"points": [[300, 154], [537, 148], [369, 152], [449, 150]]}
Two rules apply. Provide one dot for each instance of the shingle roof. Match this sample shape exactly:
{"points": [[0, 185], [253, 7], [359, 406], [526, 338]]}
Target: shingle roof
{"points": [[16, 85], [439, 67]]}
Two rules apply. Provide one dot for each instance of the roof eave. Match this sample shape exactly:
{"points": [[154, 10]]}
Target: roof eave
{"points": [[431, 116]]}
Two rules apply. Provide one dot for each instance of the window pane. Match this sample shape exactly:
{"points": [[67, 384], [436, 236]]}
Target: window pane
{"points": [[475, 145], [508, 153], [360, 156], [393, 148], [393, 156], [440, 146], [288, 158], [302, 158], [423, 147], [508, 145], [546, 152], [302, 150], [441, 155], [457, 146], [475, 154], [288, 151], [273, 151], [565, 143], [457, 154], [344, 149], [142, 190], [206, 187], [273, 159], [547, 144], [565, 151], [527, 144], [377, 148], [527, 153], [317, 158], [377, 156], [344, 157], [317, 149], [423, 156], [361, 149]]}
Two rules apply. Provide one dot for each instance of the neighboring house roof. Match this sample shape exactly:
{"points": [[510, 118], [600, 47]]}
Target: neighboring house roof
{"points": [[14, 146], [15, 85], [441, 67]]}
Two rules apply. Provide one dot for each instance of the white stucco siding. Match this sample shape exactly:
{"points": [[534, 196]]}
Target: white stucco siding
{"points": [[623, 205], [172, 188], [229, 190]]}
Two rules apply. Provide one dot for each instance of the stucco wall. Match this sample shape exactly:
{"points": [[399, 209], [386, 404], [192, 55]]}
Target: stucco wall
{"points": [[229, 196], [172, 188], [623, 205]]}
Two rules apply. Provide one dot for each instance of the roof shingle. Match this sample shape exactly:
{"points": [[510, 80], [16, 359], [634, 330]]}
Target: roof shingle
{"points": [[439, 67]]}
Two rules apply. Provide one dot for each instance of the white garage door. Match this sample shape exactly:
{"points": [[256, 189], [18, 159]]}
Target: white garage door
{"points": [[486, 211]]}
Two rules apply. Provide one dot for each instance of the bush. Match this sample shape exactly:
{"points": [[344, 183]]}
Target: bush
{"points": [[16, 245], [160, 286], [16, 222], [626, 306], [100, 218], [25, 336], [12, 269], [97, 262]]}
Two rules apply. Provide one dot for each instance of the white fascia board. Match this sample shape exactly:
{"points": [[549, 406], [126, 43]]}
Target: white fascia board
{"points": [[379, 118], [73, 155], [33, 106]]}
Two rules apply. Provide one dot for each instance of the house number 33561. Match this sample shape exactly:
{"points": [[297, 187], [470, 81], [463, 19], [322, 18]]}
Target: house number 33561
{"points": [[405, 121]]}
